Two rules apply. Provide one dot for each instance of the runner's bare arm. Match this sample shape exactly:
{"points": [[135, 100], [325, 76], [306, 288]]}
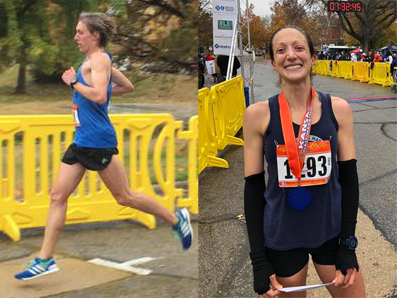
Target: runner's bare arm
{"points": [[344, 116], [121, 84], [100, 76], [256, 120]]}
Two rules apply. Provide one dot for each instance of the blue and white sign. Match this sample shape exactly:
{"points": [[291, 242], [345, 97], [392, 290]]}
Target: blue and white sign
{"points": [[224, 18]]}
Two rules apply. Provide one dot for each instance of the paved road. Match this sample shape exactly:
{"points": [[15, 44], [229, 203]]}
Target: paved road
{"points": [[225, 270], [175, 272]]}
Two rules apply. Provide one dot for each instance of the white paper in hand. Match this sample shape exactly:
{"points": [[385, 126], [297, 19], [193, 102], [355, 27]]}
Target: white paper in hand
{"points": [[303, 288]]}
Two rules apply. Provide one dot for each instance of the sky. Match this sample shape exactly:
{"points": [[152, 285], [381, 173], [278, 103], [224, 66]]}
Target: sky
{"points": [[262, 7]]}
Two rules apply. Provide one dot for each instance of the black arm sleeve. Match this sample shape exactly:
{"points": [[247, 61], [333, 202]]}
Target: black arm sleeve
{"points": [[254, 204], [348, 179]]}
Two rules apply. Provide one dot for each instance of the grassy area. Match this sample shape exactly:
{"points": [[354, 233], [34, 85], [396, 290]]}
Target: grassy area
{"points": [[152, 88]]}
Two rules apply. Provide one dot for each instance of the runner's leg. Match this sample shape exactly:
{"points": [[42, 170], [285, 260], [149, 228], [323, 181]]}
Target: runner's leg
{"points": [[68, 178], [116, 181], [327, 274], [298, 279]]}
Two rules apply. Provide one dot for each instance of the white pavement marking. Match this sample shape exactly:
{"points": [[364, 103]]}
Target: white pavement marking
{"points": [[126, 266]]}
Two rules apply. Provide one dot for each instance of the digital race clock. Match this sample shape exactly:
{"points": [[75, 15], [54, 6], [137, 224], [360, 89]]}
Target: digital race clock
{"points": [[345, 6]]}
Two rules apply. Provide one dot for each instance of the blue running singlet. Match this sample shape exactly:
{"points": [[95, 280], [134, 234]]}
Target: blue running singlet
{"points": [[93, 126]]}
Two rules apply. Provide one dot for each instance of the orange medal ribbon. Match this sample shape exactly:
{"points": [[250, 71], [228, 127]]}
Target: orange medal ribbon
{"points": [[296, 151]]}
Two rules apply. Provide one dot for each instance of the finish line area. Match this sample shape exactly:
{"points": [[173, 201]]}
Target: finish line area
{"points": [[365, 99]]}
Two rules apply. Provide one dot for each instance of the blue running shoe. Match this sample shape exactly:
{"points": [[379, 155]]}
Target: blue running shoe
{"points": [[183, 228], [37, 268]]}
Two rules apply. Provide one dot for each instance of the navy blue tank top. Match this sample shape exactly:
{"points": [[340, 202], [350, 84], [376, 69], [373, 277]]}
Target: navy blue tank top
{"points": [[94, 129], [284, 227]]}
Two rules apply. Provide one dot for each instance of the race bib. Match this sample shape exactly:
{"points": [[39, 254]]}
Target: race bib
{"points": [[316, 169], [76, 120]]}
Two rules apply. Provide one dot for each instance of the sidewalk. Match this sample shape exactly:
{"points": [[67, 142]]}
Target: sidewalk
{"points": [[224, 266], [174, 271]]}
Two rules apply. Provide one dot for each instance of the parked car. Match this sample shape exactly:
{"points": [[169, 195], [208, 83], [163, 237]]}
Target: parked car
{"points": [[258, 53]]}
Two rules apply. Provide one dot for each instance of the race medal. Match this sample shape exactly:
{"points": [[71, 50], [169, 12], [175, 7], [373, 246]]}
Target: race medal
{"points": [[76, 120], [316, 171], [298, 198]]}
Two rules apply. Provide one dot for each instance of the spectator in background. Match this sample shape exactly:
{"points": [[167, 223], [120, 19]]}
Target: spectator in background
{"points": [[210, 58], [393, 65], [393, 73], [388, 57], [383, 55], [377, 58], [344, 57], [201, 70], [219, 77], [371, 55], [363, 57], [353, 57], [223, 61]]}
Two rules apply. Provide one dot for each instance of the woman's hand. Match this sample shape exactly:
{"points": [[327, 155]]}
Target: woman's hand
{"points": [[275, 285], [342, 281], [68, 75], [272, 292]]}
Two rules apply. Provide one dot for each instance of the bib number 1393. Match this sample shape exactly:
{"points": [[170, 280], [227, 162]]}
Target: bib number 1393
{"points": [[316, 169]]}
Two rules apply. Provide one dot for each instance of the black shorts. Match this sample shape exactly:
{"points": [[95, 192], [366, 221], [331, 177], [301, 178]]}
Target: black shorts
{"points": [[94, 159], [289, 262]]}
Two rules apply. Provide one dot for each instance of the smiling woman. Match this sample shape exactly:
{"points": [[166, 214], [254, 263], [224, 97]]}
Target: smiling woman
{"points": [[297, 47], [311, 200]]}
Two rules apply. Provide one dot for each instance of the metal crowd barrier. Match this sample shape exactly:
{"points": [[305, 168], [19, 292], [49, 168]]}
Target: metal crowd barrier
{"points": [[31, 150], [356, 71], [221, 112]]}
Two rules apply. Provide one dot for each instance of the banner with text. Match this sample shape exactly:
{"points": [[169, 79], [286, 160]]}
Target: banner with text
{"points": [[224, 18]]}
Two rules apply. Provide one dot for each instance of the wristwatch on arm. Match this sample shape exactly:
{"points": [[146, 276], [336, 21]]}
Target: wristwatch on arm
{"points": [[72, 82], [350, 242]]}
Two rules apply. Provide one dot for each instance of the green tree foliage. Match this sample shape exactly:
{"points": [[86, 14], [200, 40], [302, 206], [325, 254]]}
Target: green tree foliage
{"points": [[288, 12], [205, 25], [40, 33], [161, 33], [50, 59], [257, 29]]}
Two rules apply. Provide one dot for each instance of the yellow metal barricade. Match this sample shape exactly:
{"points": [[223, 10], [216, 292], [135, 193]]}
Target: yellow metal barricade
{"points": [[322, 67], [315, 67], [31, 149], [380, 74], [328, 71], [191, 201], [230, 96], [360, 72], [345, 70], [335, 69], [210, 124]]}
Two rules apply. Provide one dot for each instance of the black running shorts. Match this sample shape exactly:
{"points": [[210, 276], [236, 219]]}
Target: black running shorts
{"points": [[289, 262], [94, 159]]}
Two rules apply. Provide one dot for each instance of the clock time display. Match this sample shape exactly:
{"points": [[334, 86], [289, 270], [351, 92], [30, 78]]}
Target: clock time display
{"points": [[344, 6]]}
